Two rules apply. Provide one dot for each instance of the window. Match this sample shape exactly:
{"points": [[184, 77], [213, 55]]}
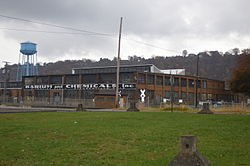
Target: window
{"points": [[28, 80], [167, 94], [159, 80], [150, 95], [191, 96], [183, 95], [126, 78], [28, 93], [123, 69], [204, 84], [56, 79], [146, 69], [183, 82], [91, 78], [210, 96], [176, 81], [88, 94], [190, 83], [167, 81], [176, 95], [41, 93], [100, 99], [12, 85], [7, 92], [42, 80], [198, 83], [150, 79], [110, 99], [141, 78], [203, 96], [70, 94], [71, 79], [107, 78]]}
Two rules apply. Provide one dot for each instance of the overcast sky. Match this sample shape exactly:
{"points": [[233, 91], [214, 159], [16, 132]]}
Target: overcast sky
{"points": [[174, 25]]}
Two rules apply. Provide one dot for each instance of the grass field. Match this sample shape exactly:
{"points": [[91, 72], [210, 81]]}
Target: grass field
{"points": [[120, 138]]}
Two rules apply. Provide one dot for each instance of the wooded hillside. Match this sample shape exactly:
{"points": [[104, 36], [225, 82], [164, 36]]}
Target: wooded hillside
{"points": [[212, 64]]}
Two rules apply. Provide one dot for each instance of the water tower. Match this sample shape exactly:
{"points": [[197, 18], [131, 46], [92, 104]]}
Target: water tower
{"points": [[27, 60]]}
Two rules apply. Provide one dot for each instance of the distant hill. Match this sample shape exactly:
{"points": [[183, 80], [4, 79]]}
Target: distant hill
{"points": [[212, 64]]}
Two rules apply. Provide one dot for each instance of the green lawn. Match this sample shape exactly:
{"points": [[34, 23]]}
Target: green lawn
{"points": [[120, 138]]}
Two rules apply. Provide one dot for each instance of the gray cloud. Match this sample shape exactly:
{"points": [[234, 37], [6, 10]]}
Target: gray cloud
{"points": [[177, 22]]}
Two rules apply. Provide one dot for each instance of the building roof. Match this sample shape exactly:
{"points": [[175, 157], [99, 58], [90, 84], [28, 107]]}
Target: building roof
{"points": [[98, 67], [112, 69]]}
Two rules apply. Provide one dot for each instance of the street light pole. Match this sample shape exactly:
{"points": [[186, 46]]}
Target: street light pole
{"points": [[196, 84], [118, 68]]}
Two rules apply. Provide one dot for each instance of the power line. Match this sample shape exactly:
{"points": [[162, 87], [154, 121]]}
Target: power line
{"points": [[84, 32], [151, 45], [72, 33], [51, 32], [54, 25]]}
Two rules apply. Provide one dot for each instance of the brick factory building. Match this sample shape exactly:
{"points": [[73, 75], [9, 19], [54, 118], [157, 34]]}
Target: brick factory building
{"points": [[95, 87]]}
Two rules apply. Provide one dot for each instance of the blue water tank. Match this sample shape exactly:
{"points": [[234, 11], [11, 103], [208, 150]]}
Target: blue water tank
{"points": [[28, 48]]}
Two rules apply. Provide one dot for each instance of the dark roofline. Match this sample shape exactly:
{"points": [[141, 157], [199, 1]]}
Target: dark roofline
{"points": [[194, 77], [101, 67], [70, 74]]}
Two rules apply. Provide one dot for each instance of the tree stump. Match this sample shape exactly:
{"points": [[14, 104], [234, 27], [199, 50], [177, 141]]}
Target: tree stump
{"points": [[205, 109], [80, 108], [133, 107], [188, 156]]}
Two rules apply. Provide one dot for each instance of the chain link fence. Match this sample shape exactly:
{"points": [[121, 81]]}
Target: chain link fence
{"points": [[92, 103]]}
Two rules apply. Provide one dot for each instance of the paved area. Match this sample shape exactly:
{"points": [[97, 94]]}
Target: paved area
{"points": [[12, 109], [104, 110]]}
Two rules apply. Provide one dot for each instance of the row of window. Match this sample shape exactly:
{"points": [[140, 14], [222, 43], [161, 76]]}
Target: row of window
{"points": [[111, 78], [74, 79], [11, 85], [168, 81], [184, 95], [87, 94], [175, 95]]}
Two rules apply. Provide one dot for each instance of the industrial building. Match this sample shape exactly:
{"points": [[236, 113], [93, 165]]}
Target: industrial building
{"points": [[95, 87]]}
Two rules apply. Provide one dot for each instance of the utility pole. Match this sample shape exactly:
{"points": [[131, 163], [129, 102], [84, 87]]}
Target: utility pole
{"points": [[171, 91], [6, 79], [118, 67], [196, 84]]}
